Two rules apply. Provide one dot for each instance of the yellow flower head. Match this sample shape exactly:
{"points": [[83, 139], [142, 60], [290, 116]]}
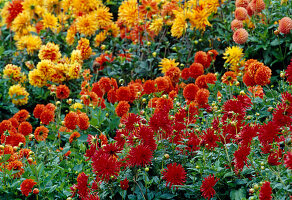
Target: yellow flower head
{"points": [[76, 57], [76, 106], [58, 75], [199, 18], [99, 38], [31, 43], [84, 47], [166, 63], [233, 55], [53, 5], [18, 94], [21, 22], [86, 25], [179, 25], [85, 6], [12, 72], [37, 78], [31, 5], [70, 37], [50, 21], [50, 51], [103, 16], [46, 67], [156, 25], [128, 12], [112, 29], [74, 70]]}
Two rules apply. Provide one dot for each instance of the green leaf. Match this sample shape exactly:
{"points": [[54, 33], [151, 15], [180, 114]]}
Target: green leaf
{"points": [[167, 196], [237, 194], [5, 157]]}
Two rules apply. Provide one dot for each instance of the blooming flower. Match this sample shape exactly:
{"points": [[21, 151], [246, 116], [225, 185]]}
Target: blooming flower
{"points": [[266, 191], [26, 186], [207, 186], [174, 175]]}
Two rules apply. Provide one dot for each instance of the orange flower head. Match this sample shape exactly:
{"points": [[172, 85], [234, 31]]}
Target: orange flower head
{"points": [[122, 108], [123, 93], [190, 92], [50, 51], [26, 186], [62, 92], [201, 57], [256, 91], [174, 74], [83, 121], [240, 36], [148, 8], [211, 78], [149, 87], [185, 74], [14, 138], [263, 76], [16, 165], [241, 3], [112, 96], [240, 13], [196, 70], [71, 120], [285, 25], [236, 24], [257, 5], [47, 116], [202, 96], [5, 125], [84, 47], [105, 84], [229, 78], [50, 107], [21, 115], [74, 136], [96, 89], [15, 7], [162, 84], [248, 80], [201, 81], [14, 122], [38, 110], [25, 128], [41, 133]]}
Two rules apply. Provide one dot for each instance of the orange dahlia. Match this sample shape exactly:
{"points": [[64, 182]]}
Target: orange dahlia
{"points": [[196, 70], [50, 51], [241, 3], [112, 96], [5, 125], [202, 96], [201, 57], [240, 36], [173, 73], [47, 116], [84, 47], [21, 115], [229, 78], [41, 133], [122, 108], [38, 110], [162, 84], [74, 136], [62, 92], [16, 166], [26, 186], [71, 120], [185, 73], [14, 123], [211, 78], [263, 76], [201, 81], [240, 13], [285, 25], [257, 5], [190, 92], [25, 128], [83, 121], [149, 87], [123, 94], [236, 24], [105, 84]]}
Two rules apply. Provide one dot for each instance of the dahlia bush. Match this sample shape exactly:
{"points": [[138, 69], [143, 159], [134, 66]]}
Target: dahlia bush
{"points": [[147, 100]]}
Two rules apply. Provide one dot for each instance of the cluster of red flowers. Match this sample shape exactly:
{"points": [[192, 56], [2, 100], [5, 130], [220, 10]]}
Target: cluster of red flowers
{"points": [[45, 113], [74, 119]]}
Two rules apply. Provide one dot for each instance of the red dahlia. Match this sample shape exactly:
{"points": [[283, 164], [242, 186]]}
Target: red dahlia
{"points": [[207, 186], [140, 155], [174, 175], [266, 191], [26, 186]]}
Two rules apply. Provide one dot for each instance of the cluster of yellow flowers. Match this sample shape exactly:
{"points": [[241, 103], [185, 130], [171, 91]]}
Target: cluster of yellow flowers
{"points": [[54, 68]]}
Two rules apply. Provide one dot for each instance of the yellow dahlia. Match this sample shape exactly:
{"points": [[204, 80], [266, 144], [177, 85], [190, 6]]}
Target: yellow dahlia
{"points": [[50, 51], [70, 37], [233, 55], [31, 43], [156, 25], [21, 22], [85, 6], [86, 25], [12, 72], [99, 38], [84, 47], [112, 29], [166, 64], [199, 18], [74, 70], [179, 25], [37, 78], [53, 6], [76, 106], [102, 15], [46, 67], [18, 94], [76, 57], [58, 74], [50, 21], [210, 5], [128, 12], [31, 5]]}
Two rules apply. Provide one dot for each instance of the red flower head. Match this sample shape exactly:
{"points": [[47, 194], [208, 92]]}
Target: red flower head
{"points": [[185, 73], [105, 166], [140, 155], [289, 73], [105, 84], [174, 74], [62, 92], [124, 184], [174, 175], [15, 7], [209, 139], [288, 160], [202, 96], [112, 96], [41, 133], [266, 191], [240, 156], [71, 120], [123, 94], [26, 186], [162, 84], [207, 186], [5, 125], [82, 188], [38, 110], [96, 89], [201, 81], [122, 108], [25, 128]]}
